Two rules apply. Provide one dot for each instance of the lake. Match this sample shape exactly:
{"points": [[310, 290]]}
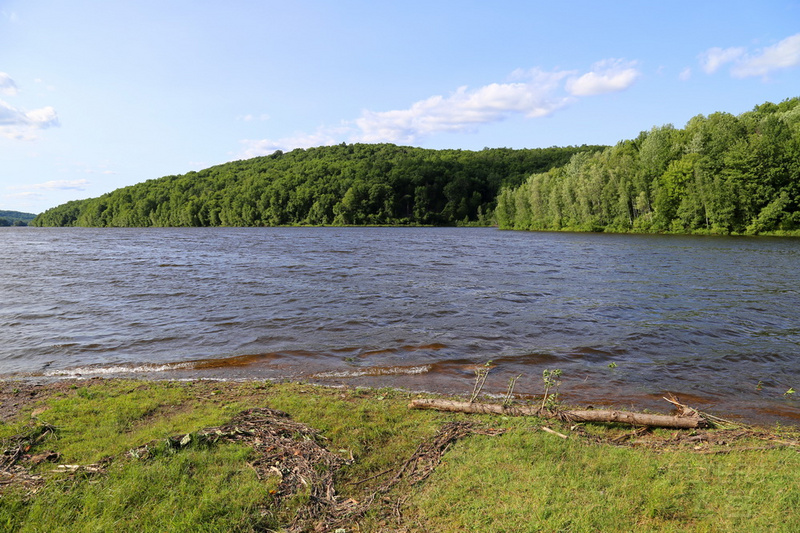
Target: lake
{"points": [[627, 318]]}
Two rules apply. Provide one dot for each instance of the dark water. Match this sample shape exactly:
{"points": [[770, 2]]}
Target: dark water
{"points": [[626, 318]]}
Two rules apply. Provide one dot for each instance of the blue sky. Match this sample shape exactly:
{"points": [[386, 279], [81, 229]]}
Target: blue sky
{"points": [[97, 95]]}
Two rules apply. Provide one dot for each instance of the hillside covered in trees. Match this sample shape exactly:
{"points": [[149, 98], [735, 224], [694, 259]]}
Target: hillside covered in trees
{"points": [[720, 174], [15, 218], [341, 185]]}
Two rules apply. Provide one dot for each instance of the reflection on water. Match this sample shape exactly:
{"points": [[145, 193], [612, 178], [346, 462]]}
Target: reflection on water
{"points": [[627, 318]]}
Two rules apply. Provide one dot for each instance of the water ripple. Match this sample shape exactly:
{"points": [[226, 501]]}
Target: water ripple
{"points": [[624, 315]]}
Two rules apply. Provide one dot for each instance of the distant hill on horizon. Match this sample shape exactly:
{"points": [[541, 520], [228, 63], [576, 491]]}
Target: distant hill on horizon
{"points": [[15, 218]]}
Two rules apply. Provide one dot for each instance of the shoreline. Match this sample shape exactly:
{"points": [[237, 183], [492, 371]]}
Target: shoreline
{"points": [[15, 393]]}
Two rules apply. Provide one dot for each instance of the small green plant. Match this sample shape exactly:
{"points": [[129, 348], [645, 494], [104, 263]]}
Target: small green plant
{"points": [[551, 381], [85, 393], [510, 391], [789, 392], [612, 365], [481, 373], [760, 385]]}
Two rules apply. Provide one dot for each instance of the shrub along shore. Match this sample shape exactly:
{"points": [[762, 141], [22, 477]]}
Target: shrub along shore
{"points": [[132, 455]]}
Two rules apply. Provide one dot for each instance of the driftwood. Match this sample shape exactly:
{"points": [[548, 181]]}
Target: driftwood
{"points": [[691, 421]]}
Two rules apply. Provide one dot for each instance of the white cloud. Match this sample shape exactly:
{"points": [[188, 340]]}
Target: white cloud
{"points": [[251, 118], [531, 93], [323, 137], [11, 16], [762, 62], [685, 75], [7, 85], [57, 185], [18, 124], [785, 54], [24, 195], [713, 58], [465, 109], [610, 75]]}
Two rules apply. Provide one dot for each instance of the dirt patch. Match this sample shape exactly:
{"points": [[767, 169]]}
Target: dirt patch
{"points": [[16, 396]]}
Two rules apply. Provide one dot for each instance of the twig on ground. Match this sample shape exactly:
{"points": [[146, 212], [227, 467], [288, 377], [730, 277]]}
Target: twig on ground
{"points": [[553, 432]]}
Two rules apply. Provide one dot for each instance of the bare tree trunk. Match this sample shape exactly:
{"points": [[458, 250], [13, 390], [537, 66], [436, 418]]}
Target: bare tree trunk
{"points": [[593, 415]]}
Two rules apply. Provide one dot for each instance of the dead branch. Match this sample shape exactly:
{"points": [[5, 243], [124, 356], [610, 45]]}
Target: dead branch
{"points": [[553, 432], [592, 415]]}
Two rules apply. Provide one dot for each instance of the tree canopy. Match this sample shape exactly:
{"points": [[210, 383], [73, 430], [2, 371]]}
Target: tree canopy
{"points": [[330, 185], [720, 174], [15, 218]]}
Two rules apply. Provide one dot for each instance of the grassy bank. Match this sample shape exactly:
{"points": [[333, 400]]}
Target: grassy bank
{"points": [[97, 456]]}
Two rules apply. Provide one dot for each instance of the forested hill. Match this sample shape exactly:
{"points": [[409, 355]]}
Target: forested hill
{"points": [[343, 184], [720, 174], [15, 218]]}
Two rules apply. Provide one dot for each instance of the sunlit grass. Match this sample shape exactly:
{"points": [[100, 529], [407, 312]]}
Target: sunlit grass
{"points": [[106, 420], [194, 490], [531, 481], [523, 480]]}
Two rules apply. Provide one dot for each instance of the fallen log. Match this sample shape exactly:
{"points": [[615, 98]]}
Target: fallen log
{"points": [[588, 415]]}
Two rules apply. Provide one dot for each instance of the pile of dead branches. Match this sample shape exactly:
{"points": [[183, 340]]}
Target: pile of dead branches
{"points": [[283, 448], [15, 461], [417, 468], [291, 451]]}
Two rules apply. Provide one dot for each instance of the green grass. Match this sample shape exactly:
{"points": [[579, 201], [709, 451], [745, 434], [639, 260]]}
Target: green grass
{"points": [[531, 481], [523, 480], [108, 419], [194, 490]]}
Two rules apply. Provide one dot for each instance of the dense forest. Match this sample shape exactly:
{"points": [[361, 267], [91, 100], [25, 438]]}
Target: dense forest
{"points": [[720, 174], [339, 185], [15, 218]]}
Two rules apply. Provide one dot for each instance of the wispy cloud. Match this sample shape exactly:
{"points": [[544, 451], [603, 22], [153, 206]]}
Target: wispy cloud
{"points": [[7, 85], [251, 118], [11, 16], [785, 54], [26, 195], [760, 62], [608, 76], [465, 109], [17, 123], [56, 185], [324, 136], [530, 93], [713, 58]]}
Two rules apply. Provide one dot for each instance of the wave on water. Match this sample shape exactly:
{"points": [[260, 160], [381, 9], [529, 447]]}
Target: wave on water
{"points": [[374, 371], [99, 370], [148, 368]]}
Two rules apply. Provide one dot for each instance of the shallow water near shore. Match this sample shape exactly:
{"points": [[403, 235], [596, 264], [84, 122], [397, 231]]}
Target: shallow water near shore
{"points": [[627, 318]]}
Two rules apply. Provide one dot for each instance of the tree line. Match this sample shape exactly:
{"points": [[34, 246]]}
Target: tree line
{"points": [[720, 174], [347, 184], [15, 218]]}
